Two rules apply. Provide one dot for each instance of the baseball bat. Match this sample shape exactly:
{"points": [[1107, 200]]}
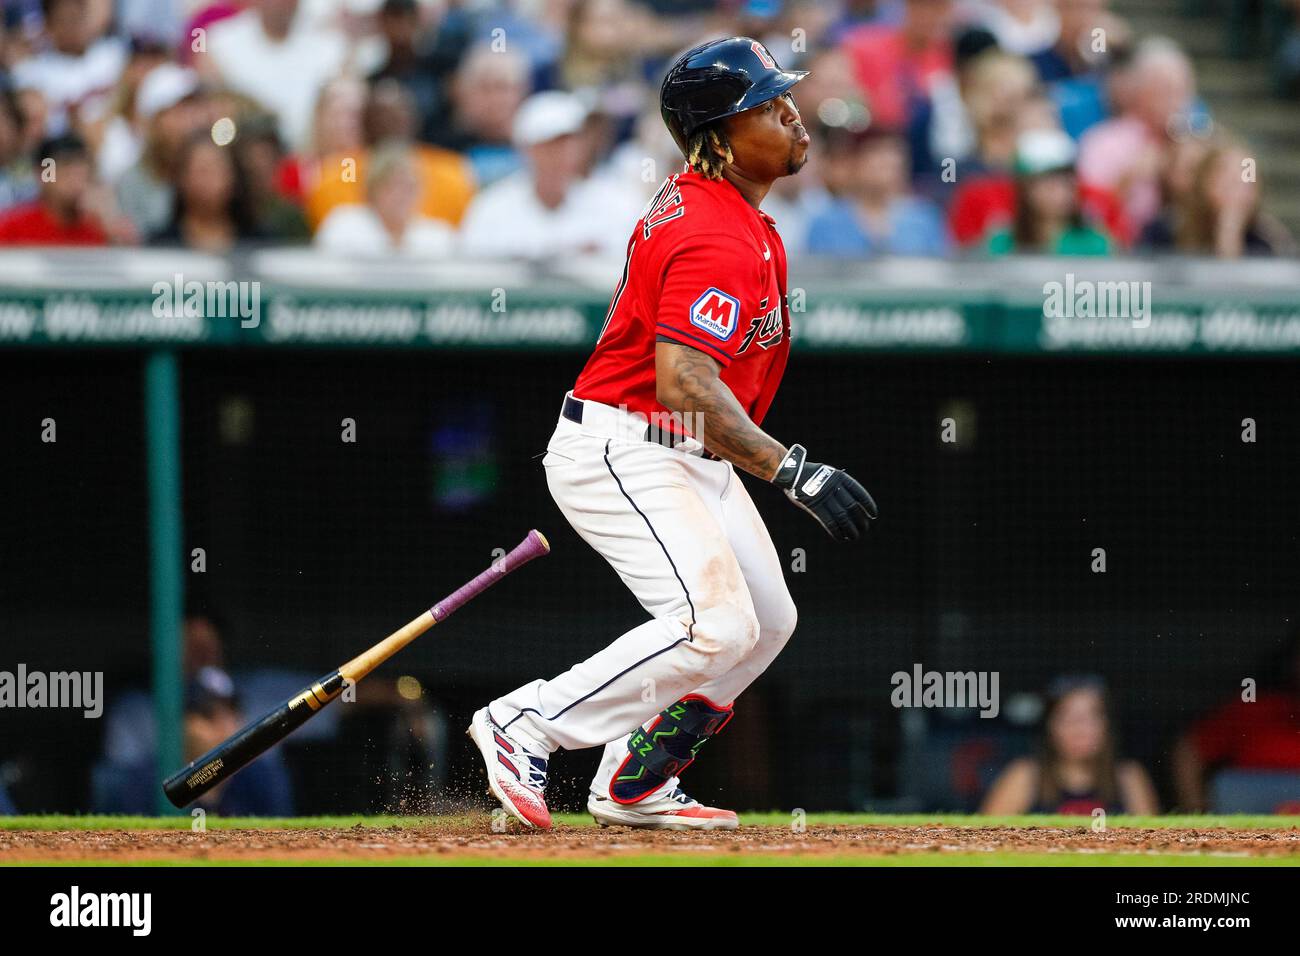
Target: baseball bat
{"points": [[233, 754]]}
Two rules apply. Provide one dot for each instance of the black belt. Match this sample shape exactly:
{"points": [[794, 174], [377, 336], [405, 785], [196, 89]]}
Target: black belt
{"points": [[572, 410]]}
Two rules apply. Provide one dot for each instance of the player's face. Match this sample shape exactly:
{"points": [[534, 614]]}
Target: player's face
{"points": [[768, 141]]}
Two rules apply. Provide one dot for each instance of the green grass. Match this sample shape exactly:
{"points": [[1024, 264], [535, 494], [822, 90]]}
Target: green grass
{"points": [[756, 818]]}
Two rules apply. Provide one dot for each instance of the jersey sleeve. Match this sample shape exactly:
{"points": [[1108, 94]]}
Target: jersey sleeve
{"points": [[709, 287]]}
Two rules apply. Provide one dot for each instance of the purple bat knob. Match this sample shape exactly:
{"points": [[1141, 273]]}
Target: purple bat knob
{"points": [[534, 545]]}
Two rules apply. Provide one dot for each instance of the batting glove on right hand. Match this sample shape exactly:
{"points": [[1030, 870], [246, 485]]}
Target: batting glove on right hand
{"points": [[831, 495]]}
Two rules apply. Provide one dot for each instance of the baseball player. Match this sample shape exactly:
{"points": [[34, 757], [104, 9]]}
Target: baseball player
{"points": [[643, 456]]}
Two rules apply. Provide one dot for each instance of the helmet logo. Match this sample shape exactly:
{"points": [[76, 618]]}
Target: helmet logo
{"points": [[764, 57]]}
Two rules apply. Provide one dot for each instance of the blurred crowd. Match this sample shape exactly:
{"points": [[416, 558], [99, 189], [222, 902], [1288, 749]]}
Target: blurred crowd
{"points": [[1241, 756], [530, 128]]}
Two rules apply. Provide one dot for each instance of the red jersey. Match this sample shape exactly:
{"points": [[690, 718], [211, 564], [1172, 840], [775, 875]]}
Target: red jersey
{"points": [[33, 225], [1262, 734], [706, 269]]}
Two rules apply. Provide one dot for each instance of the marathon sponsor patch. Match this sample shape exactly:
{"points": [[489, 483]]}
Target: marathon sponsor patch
{"points": [[716, 313]]}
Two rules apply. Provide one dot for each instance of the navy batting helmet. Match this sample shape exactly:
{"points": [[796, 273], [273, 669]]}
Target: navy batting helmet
{"points": [[718, 79]]}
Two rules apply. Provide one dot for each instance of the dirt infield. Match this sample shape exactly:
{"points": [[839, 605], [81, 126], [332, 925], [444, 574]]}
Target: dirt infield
{"points": [[476, 842]]}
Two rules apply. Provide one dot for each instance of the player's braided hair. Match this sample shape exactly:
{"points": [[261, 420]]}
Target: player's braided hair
{"points": [[708, 152]]}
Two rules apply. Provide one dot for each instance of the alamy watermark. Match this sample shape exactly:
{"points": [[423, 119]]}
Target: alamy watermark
{"points": [[1088, 299], [942, 689], [177, 298], [79, 690], [133, 911], [666, 427]]}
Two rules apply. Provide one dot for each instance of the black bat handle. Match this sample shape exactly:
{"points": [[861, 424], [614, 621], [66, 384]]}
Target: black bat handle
{"points": [[255, 738]]}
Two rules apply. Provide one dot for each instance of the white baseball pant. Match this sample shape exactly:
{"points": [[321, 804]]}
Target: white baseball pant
{"points": [[683, 534]]}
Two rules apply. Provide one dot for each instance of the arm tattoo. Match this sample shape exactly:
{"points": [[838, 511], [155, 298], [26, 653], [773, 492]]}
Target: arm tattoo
{"points": [[727, 430]]}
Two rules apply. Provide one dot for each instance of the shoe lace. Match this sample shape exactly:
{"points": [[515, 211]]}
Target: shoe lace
{"points": [[680, 796], [536, 772]]}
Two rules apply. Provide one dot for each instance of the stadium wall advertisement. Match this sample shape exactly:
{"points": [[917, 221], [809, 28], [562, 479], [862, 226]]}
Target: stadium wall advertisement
{"points": [[1265, 325]]}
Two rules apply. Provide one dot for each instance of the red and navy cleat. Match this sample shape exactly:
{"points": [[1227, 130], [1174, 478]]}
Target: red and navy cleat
{"points": [[515, 777], [673, 810]]}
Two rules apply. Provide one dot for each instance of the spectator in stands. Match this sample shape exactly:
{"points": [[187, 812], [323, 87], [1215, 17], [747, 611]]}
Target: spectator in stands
{"points": [[77, 67], [600, 42], [446, 179], [17, 177], [795, 201], [985, 203], [1080, 70], [895, 64], [875, 214], [61, 215], [1262, 733], [984, 197], [422, 61], [272, 53], [1023, 27], [771, 21], [1178, 176], [211, 212], [1127, 153], [15, 41], [205, 14], [390, 221], [212, 714], [124, 780], [167, 112], [34, 111], [261, 156], [485, 95], [338, 120], [1049, 212], [646, 158], [1079, 48], [601, 128], [1219, 215], [549, 209], [536, 34], [160, 23], [830, 94], [608, 41], [849, 15], [1077, 770], [944, 131], [116, 137], [998, 88], [130, 734], [1090, 35], [335, 147]]}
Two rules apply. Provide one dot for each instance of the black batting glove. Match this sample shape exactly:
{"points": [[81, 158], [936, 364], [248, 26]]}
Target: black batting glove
{"points": [[831, 495]]}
